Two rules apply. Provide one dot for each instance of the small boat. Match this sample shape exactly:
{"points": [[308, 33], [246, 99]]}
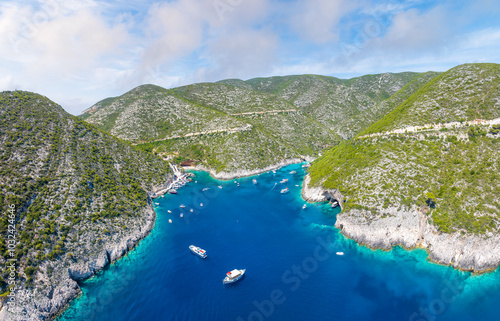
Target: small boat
{"points": [[233, 276], [304, 207], [198, 251], [170, 221], [284, 180], [220, 186], [157, 203], [340, 253], [296, 185], [205, 189], [235, 182], [254, 181], [191, 210], [274, 172], [293, 172], [285, 190], [201, 204], [172, 191], [182, 206], [238, 184], [335, 204], [169, 212], [182, 215]]}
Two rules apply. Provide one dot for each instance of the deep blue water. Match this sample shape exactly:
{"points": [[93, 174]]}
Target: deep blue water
{"points": [[293, 272]]}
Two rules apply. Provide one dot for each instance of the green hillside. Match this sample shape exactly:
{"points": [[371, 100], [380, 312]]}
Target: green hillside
{"points": [[74, 187], [453, 168], [235, 124], [466, 92]]}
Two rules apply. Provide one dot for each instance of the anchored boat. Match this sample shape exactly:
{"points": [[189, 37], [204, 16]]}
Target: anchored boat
{"points": [[233, 276], [198, 251]]}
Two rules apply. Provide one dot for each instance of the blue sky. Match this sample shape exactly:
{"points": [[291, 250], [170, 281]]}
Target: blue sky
{"points": [[78, 52]]}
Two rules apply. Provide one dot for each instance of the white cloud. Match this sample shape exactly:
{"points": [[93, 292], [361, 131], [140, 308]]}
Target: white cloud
{"points": [[318, 20]]}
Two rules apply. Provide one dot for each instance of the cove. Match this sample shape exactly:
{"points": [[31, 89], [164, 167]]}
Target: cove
{"points": [[293, 272]]}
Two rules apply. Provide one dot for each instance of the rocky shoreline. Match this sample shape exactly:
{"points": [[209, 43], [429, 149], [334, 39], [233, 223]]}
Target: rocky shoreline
{"points": [[411, 229], [245, 173], [64, 283]]}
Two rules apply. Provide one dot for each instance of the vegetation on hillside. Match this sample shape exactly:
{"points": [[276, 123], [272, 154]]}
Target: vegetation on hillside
{"points": [[73, 185]]}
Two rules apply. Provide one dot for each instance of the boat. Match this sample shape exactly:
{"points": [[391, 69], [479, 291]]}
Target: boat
{"points": [[205, 189], [304, 207], [284, 180], [172, 191], [335, 204], [293, 172], [198, 251], [182, 215], [169, 212], [340, 253], [233, 276], [238, 184], [254, 181], [285, 190], [182, 206], [170, 221], [157, 203], [191, 210], [274, 172], [201, 204], [220, 186]]}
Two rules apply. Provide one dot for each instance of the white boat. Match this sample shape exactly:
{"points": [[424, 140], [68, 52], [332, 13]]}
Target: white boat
{"points": [[238, 184], [191, 210], [182, 206], [233, 276], [284, 180], [293, 172], [335, 204], [340, 253], [220, 186], [157, 203], [274, 172], [169, 212], [198, 251], [170, 221], [201, 204], [254, 181], [182, 215], [304, 207], [205, 189], [285, 190]]}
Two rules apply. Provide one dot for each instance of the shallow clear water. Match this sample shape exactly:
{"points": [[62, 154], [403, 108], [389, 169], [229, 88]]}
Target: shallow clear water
{"points": [[293, 272]]}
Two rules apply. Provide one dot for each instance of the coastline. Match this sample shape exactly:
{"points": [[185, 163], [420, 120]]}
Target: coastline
{"points": [[411, 229], [226, 176], [65, 288]]}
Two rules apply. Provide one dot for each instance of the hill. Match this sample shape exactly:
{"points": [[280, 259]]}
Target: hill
{"points": [[76, 197], [233, 124], [427, 171]]}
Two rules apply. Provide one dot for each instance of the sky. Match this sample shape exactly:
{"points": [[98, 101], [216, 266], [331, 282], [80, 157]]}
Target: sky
{"points": [[78, 52]]}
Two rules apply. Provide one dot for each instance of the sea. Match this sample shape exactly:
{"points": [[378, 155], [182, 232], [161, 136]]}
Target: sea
{"points": [[292, 256]]}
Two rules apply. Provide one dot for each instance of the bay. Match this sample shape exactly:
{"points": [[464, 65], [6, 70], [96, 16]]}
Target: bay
{"points": [[293, 270]]}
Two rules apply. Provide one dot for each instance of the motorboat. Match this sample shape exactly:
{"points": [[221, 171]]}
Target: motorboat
{"points": [[198, 251], [285, 190], [233, 276]]}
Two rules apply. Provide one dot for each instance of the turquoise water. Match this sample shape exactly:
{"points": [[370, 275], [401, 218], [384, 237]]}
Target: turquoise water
{"points": [[293, 272]]}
